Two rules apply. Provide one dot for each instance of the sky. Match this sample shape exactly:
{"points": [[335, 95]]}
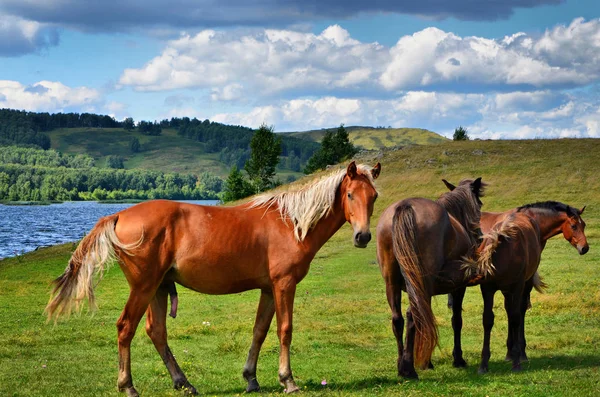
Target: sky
{"points": [[503, 69]]}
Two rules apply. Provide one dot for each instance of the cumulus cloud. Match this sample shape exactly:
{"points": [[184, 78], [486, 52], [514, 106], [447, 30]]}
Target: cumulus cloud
{"points": [[46, 96], [263, 63], [20, 36], [237, 64], [126, 15]]}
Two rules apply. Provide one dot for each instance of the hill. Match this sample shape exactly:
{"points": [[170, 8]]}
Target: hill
{"points": [[376, 138], [342, 332]]}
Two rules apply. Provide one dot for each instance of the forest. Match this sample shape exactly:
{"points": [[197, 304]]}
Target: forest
{"points": [[30, 174]]}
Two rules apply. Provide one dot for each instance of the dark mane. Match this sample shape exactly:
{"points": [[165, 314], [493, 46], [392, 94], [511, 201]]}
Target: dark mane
{"points": [[462, 204], [551, 206]]}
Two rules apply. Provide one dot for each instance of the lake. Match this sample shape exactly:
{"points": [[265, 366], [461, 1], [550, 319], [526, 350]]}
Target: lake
{"points": [[24, 228]]}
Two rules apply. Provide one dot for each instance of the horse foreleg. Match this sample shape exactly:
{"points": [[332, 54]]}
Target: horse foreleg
{"points": [[407, 366], [488, 323], [264, 316], [156, 328], [457, 322], [512, 305], [525, 305], [126, 326], [394, 297], [284, 291]]}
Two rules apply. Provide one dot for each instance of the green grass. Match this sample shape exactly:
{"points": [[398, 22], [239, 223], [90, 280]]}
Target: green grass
{"points": [[342, 331], [376, 138]]}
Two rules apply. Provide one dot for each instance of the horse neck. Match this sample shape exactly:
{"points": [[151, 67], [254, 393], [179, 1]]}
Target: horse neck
{"points": [[550, 222], [326, 227]]}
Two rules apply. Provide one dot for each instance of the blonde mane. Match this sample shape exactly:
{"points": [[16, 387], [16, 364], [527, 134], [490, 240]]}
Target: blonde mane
{"points": [[310, 203]]}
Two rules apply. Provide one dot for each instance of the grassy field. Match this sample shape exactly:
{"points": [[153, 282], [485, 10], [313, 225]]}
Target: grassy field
{"points": [[342, 331], [376, 138]]}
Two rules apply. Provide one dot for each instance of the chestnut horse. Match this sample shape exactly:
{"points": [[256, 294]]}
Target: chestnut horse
{"points": [[552, 218], [267, 244], [420, 248]]}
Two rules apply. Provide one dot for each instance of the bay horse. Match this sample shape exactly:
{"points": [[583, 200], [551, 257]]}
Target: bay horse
{"points": [[420, 248], [267, 244], [552, 218]]}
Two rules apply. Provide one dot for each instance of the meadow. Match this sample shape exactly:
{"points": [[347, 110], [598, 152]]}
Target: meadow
{"points": [[343, 343]]}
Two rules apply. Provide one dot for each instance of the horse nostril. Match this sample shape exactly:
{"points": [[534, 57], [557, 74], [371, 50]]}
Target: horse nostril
{"points": [[584, 250]]}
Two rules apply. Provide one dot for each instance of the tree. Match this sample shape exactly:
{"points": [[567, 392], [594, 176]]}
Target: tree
{"points": [[114, 161], [128, 124], [335, 147], [134, 145], [264, 156], [460, 134], [236, 186]]}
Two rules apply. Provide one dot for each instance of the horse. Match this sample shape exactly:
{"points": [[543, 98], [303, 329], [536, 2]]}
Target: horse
{"points": [[552, 218], [266, 243], [420, 248]]}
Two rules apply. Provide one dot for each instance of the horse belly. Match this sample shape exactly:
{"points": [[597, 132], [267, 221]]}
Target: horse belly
{"points": [[221, 274]]}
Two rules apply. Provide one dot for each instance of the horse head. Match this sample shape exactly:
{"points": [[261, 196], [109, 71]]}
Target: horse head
{"points": [[573, 230], [358, 198]]}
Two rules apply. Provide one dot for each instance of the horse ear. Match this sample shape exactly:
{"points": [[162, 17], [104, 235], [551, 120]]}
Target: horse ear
{"points": [[476, 186], [376, 171], [581, 210], [351, 170], [450, 186]]}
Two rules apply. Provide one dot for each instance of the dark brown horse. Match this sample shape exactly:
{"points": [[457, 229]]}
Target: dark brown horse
{"points": [[552, 218], [265, 244], [420, 248]]}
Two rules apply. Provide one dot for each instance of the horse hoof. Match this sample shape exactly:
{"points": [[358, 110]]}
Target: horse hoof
{"points": [[292, 389], [459, 363], [186, 387], [482, 371], [253, 386], [517, 368], [524, 358], [430, 366], [508, 357], [408, 374], [129, 391]]}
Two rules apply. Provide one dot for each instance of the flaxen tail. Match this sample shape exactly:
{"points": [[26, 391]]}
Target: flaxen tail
{"points": [[505, 230], [92, 256], [404, 236]]}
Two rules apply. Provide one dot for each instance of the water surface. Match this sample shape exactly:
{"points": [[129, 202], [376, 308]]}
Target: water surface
{"points": [[25, 228]]}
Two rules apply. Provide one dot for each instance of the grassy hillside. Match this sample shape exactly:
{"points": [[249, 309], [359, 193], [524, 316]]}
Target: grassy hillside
{"points": [[342, 331], [168, 152], [376, 138]]}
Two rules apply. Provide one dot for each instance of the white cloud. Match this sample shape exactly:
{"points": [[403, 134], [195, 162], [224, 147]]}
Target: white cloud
{"points": [[47, 96], [266, 63]]}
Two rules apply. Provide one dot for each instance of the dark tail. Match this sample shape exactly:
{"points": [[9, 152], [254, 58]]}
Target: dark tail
{"points": [[92, 256], [404, 236]]}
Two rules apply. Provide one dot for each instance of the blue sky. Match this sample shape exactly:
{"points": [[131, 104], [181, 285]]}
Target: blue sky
{"points": [[503, 69]]}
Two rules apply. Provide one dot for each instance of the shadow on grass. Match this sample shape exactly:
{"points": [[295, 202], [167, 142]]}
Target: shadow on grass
{"points": [[499, 370]]}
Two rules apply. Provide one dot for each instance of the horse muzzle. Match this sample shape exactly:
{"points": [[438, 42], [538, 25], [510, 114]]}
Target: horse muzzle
{"points": [[361, 239], [583, 250]]}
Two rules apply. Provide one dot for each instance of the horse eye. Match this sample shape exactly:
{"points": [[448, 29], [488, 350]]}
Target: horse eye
{"points": [[350, 196], [574, 227]]}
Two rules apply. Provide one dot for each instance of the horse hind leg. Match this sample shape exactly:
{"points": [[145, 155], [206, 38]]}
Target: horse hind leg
{"points": [[126, 326], [407, 365], [264, 316], [156, 328]]}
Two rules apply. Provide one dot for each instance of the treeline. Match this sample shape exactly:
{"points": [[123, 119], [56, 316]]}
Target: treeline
{"points": [[43, 158], [233, 142], [35, 175]]}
